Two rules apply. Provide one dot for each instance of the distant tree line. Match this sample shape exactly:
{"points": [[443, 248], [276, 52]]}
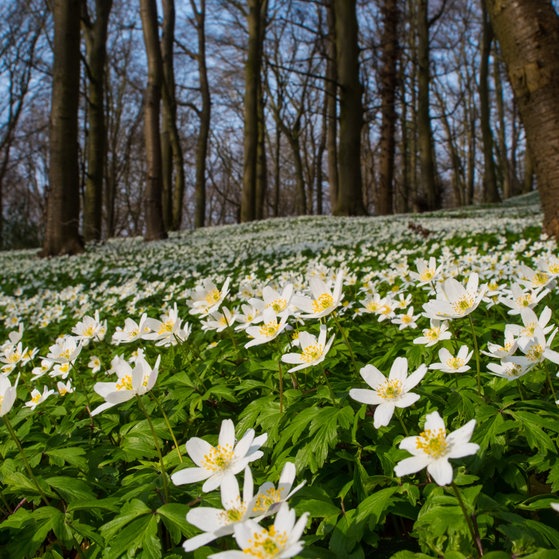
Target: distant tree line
{"points": [[140, 117]]}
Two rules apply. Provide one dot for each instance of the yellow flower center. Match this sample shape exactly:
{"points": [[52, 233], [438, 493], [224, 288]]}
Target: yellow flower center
{"points": [[554, 268], [524, 300], [433, 442], [212, 296], [89, 331], [372, 306], [166, 327], [233, 514], [265, 500], [323, 302], [65, 354], [433, 333], [540, 278], [407, 319], [1, 400], [426, 275], [455, 363], [390, 390], [463, 304], [266, 544], [269, 329], [218, 458], [277, 305], [124, 383], [386, 310], [14, 357], [312, 352], [35, 398], [535, 353]]}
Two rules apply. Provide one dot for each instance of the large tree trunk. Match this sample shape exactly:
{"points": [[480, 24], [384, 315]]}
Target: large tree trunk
{"points": [[172, 154], [388, 83], [95, 34], [155, 228], [205, 117], [256, 21], [490, 192], [430, 184], [528, 32], [350, 194], [63, 210], [331, 100]]}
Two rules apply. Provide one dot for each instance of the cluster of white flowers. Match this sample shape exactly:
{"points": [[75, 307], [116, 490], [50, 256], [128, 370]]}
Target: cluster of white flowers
{"points": [[241, 515]]}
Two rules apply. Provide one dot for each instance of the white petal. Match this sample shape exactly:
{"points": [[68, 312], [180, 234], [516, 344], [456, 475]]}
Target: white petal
{"points": [[415, 378], [441, 471], [227, 433], [434, 422], [406, 400], [399, 369], [365, 396], [410, 465], [383, 415], [372, 376], [189, 475], [198, 449], [198, 541], [206, 519]]}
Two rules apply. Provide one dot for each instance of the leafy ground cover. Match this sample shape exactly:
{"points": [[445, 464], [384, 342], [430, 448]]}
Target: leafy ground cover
{"points": [[311, 387]]}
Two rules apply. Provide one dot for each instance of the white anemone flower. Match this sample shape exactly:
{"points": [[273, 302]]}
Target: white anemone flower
{"points": [[453, 300], [8, 394], [437, 332], [279, 541], [324, 298], [271, 298], [131, 382], [509, 369], [215, 522], [268, 330], [169, 330], [519, 298], [453, 364], [131, 331], [313, 350], [555, 506], [207, 298], [433, 448], [388, 393], [38, 397], [90, 328], [215, 463], [269, 497]]}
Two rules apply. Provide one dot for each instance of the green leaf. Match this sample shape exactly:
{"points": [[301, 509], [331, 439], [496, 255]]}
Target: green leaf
{"points": [[173, 516], [75, 456], [71, 489], [373, 507], [130, 511]]}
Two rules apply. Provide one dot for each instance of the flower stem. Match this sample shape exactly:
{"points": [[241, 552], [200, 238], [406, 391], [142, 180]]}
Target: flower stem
{"points": [[470, 520], [24, 458], [476, 351], [166, 419], [550, 382], [280, 370], [158, 448], [346, 340], [399, 416]]}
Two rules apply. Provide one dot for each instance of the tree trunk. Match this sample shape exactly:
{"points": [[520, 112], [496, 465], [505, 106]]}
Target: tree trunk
{"points": [[63, 210], [388, 81], [255, 20], [431, 191], [172, 155], [331, 100], [205, 117], [155, 228], [350, 194], [95, 34], [528, 33], [490, 192]]}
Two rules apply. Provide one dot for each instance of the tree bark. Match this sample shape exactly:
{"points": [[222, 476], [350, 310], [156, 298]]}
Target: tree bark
{"points": [[431, 191], [256, 21], [490, 191], [388, 81], [350, 194], [63, 210], [95, 33], [528, 33], [205, 117], [155, 228]]}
